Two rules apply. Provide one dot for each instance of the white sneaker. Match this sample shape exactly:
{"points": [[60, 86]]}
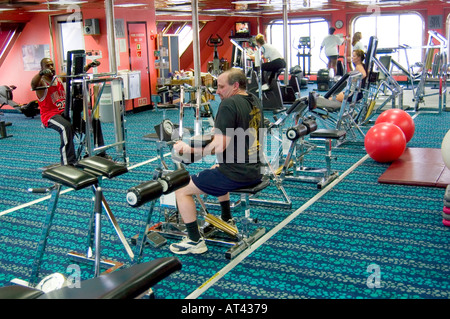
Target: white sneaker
{"points": [[187, 246]]}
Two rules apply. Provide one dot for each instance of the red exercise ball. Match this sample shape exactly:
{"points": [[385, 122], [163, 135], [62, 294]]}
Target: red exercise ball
{"points": [[400, 118], [385, 142]]}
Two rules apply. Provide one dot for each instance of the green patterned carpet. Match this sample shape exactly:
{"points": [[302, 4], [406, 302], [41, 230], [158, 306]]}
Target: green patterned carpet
{"points": [[326, 250]]}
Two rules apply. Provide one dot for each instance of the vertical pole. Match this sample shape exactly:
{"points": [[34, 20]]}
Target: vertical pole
{"points": [[111, 35], [98, 227], [196, 44], [285, 42], [197, 71], [53, 203]]}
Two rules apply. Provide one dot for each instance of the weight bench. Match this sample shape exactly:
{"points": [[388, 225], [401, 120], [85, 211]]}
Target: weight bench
{"points": [[101, 168], [65, 175], [132, 282], [293, 164], [328, 135]]}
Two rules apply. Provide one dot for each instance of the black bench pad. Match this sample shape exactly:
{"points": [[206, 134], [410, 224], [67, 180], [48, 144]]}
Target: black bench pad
{"points": [[122, 284], [102, 166], [328, 134], [69, 176], [19, 292], [253, 189]]}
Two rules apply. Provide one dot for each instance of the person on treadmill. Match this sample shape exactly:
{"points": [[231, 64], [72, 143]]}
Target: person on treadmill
{"points": [[331, 44], [237, 144]]}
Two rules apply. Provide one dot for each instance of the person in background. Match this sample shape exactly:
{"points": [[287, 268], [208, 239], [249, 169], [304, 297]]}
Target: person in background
{"points": [[356, 42], [273, 60], [358, 57], [331, 44]]}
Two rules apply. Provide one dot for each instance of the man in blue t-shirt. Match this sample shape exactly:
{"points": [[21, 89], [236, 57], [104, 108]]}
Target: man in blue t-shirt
{"points": [[237, 144]]}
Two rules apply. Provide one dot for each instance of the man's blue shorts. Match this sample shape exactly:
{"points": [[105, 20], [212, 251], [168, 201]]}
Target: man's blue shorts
{"points": [[214, 183]]}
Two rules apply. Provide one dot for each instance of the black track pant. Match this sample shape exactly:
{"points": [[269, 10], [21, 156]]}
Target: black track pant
{"points": [[67, 148], [272, 67]]}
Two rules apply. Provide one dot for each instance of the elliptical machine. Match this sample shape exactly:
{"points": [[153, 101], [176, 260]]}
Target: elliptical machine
{"points": [[215, 42]]}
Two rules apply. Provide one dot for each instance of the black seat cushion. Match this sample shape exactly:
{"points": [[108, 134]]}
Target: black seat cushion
{"points": [[102, 166], [121, 284], [328, 134], [253, 189], [127, 283], [19, 292], [69, 176]]}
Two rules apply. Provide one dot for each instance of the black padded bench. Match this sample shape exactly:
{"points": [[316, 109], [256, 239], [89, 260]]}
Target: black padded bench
{"points": [[94, 168], [328, 135], [128, 283]]}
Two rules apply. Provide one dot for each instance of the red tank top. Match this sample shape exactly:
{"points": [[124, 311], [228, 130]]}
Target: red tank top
{"points": [[53, 102]]}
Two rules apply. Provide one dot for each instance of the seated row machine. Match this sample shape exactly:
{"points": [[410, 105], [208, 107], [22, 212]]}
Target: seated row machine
{"points": [[150, 191], [213, 228], [293, 169]]}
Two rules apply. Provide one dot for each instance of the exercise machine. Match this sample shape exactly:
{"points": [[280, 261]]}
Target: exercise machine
{"points": [[389, 62], [6, 98], [340, 116], [292, 167], [434, 69], [212, 228], [89, 172], [204, 118], [84, 93], [378, 79], [304, 52], [215, 42], [271, 99], [84, 110], [30, 109]]}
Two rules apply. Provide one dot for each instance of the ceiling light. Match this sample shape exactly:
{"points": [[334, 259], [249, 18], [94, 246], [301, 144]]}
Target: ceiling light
{"points": [[129, 5], [65, 2], [248, 2], [43, 10]]}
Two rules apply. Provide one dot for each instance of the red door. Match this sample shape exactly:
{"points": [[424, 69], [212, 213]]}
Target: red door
{"points": [[139, 60]]}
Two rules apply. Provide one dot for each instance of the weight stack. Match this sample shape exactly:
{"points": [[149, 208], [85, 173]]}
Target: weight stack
{"points": [[323, 80]]}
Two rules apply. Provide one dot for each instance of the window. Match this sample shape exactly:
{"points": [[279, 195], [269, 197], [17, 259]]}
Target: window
{"points": [[181, 28], [71, 37], [185, 38], [393, 30], [316, 29], [9, 32]]}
